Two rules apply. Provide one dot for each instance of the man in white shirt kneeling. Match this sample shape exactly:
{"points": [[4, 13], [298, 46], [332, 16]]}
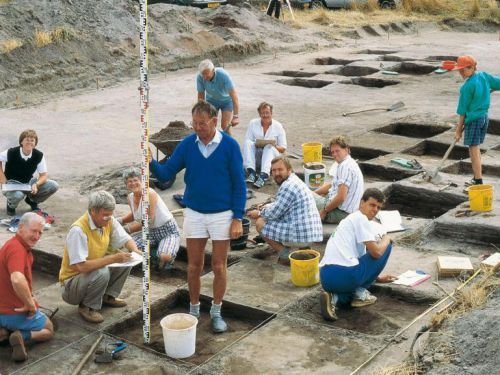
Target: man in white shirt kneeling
{"points": [[354, 258]]}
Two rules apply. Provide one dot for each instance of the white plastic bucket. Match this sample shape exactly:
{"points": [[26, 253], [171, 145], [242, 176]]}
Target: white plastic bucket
{"points": [[314, 174], [179, 335]]}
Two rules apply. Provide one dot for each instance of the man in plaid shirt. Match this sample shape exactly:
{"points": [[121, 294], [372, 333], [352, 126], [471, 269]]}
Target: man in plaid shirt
{"points": [[292, 220]]}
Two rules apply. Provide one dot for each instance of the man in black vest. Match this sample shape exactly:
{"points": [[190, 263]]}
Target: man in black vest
{"points": [[21, 165]]}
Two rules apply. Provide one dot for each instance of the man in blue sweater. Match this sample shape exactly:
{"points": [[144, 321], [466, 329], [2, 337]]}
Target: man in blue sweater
{"points": [[215, 198]]}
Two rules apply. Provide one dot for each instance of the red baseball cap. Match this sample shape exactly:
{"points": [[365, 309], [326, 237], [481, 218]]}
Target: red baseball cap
{"points": [[465, 62]]}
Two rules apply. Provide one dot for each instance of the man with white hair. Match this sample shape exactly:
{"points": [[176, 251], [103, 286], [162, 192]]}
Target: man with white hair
{"points": [[20, 318], [85, 279], [215, 86]]}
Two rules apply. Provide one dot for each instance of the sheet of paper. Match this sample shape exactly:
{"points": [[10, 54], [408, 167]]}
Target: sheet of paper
{"points": [[411, 278], [136, 259], [16, 187], [391, 220]]}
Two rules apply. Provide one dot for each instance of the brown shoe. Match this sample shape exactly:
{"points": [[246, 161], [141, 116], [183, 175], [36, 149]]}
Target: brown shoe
{"points": [[16, 341], [90, 315], [327, 308], [4, 334], [113, 302]]}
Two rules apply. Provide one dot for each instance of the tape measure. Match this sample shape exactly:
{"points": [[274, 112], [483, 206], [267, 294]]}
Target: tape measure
{"points": [[144, 98]]}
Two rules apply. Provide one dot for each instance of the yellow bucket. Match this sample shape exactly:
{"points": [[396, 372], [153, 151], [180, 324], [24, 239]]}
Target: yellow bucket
{"points": [[304, 265], [312, 152], [481, 197]]}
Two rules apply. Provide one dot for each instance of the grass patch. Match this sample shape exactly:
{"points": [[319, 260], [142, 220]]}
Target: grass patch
{"points": [[42, 38], [364, 13], [468, 299], [405, 368], [58, 35], [9, 45]]}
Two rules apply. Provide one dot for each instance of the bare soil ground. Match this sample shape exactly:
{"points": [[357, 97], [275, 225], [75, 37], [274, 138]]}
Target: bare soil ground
{"points": [[79, 91]]}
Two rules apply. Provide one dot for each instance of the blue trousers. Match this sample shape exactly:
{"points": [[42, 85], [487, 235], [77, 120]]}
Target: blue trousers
{"points": [[343, 281]]}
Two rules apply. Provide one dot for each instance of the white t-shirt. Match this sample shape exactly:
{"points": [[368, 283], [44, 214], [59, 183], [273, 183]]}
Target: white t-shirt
{"points": [[275, 131], [346, 244], [349, 174]]}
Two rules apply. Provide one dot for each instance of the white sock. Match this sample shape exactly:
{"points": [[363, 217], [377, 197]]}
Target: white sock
{"points": [[215, 310]]}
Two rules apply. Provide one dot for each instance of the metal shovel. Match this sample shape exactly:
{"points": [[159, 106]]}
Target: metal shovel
{"points": [[394, 107], [433, 177]]}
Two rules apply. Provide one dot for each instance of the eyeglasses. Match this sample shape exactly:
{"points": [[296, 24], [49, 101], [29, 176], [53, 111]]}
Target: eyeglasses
{"points": [[196, 124]]}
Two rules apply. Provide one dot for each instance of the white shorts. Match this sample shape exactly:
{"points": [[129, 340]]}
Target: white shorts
{"points": [[214, 226]]}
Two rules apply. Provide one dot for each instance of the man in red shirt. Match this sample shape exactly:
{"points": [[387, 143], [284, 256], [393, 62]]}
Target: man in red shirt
{"points": [[19, 313]]}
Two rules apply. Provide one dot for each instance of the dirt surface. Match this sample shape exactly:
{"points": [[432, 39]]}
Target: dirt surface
{"points": [[468, 345], [98, 45], [312, 75]]}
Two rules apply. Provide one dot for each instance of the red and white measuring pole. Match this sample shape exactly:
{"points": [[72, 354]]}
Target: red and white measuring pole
{"points": [[144, 96]]}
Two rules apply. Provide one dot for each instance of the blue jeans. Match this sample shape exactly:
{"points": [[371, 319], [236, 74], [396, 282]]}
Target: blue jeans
{"points": [[14, 322], [44, 192], [343, 281]]}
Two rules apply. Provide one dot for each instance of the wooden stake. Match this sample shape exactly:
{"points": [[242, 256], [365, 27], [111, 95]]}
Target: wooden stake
{"points": [[87, 356]]}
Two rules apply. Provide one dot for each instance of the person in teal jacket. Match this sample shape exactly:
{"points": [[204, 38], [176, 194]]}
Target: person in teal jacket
{"points": [[472, 108]]}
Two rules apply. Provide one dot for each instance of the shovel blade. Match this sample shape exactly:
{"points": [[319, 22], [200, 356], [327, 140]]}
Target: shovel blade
{"points": [[396, 106]]}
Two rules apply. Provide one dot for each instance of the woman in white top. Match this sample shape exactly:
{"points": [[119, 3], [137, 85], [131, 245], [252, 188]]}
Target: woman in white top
{"points": [[163, 230]]}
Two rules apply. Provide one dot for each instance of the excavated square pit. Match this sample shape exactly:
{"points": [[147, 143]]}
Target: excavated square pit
{"points": [[178, 275], [370, 30], [413, 130], [436, 149], [371, 82], [413, 68], [355, 70], [465, 168], [45, 269], [494, 127], [332, 61], [378, 172], [239, 318], [376, 52], [309, 83], [440, 58], [415, 202], [358, 153], [390, 313], [293, 73]]}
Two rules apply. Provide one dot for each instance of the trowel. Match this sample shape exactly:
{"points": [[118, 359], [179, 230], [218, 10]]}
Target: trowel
{"points": [[107, 356], [434, 177]]}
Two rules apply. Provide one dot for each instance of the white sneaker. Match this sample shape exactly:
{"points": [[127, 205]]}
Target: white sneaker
{"points": [[363, 299]]}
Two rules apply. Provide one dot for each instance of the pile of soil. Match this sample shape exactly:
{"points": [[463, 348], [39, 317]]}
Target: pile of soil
{"points": [[469, 345], [175, 130], [110, 180], [96, 44]]}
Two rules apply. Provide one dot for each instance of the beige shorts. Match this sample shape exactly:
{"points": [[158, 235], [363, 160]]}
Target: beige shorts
{"points": [[215, 226]]}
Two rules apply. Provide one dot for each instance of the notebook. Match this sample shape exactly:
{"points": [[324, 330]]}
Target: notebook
{"points": [[391, 221], [412, 278]]}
